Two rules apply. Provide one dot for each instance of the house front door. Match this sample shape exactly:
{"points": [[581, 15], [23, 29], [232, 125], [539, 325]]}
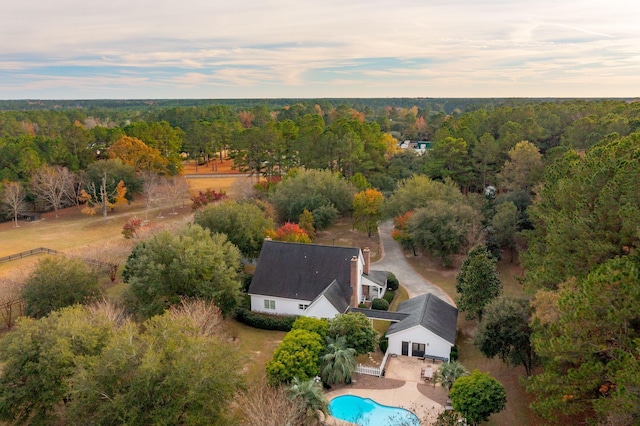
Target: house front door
{"points": [[405, 348]]}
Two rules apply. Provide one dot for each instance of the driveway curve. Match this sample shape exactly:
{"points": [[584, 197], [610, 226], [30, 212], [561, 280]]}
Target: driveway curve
{"points": [[394, 260]]}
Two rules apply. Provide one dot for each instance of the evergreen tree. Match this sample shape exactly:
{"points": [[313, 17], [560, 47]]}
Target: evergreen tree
{"points": [[477, 282]]}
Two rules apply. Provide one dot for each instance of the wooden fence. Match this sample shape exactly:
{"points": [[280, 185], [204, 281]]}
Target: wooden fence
{"points": [[12, 309], [39, 250], [110, 268]]}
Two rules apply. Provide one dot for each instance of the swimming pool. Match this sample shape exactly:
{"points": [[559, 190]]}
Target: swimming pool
{"points": [[367, 412]]}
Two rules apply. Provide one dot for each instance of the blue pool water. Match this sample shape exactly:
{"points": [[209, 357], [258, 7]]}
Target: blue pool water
{"points": [[367, 412]]}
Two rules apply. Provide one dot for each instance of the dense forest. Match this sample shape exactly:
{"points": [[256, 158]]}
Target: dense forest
{"points": [[553, 180]]}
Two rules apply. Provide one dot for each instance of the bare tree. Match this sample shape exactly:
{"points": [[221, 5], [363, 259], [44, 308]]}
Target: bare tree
{"points": [[51, 184], [270, 406], [13, 198], [151, 183], [104, 257], [176, 188], [75, 188]]}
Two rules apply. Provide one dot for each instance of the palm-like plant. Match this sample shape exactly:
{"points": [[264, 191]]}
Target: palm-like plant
{"points": [[309, 393], [448, 373], [339, 363]]}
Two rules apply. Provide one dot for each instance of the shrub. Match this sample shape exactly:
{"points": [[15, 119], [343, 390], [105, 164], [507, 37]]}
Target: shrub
{"points": [[207, 197], [389, 295], [265, 321], [363, 306], [383, 342], [392, 282], [298, 355], [453, 356], [380, 304], [131, 227], [317, 325]]}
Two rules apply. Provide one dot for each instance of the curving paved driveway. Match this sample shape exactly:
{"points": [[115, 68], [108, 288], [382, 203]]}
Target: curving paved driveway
{"points": [[394, 260]]}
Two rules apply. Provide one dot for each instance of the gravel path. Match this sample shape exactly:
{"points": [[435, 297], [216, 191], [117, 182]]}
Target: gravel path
{"points": [[394, 260]]}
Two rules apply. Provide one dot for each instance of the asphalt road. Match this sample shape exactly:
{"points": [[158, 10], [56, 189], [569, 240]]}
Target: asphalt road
{"points": [[394, 260]]}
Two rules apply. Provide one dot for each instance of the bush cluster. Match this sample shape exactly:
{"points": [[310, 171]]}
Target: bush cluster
{"points": [[383, 342], [453, 356], [392, 282], [265, 321], [380, 304], [389, 295]]}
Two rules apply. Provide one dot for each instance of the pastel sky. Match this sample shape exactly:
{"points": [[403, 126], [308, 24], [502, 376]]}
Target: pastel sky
{"points": [[72, 49]]}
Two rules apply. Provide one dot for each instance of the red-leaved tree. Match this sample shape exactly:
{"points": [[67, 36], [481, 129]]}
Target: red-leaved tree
{"points": [[207, 197], [400, 232], [291, 233]]}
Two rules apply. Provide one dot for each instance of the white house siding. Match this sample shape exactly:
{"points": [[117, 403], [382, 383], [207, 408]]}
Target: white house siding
{"points": [[375, 290], [437, 346], [282, 306], [321, 308]]}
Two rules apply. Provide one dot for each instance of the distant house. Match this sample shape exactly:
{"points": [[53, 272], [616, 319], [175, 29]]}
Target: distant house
{"points": [[313, 280], [428, 330], [419, 147]]}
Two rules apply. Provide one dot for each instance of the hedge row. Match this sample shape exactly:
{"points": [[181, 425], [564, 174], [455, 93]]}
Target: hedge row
{"points": [[265, 321], [389, 295]]}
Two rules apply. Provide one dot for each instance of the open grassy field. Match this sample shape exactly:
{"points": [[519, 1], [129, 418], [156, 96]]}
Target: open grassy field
{"points": [[76, 233]]}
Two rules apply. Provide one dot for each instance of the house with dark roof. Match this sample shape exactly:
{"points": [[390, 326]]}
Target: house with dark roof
{"points": [[313, 280], [428, 330]]}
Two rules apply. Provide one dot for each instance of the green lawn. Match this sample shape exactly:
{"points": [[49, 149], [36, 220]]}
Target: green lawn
{"points": [[256, 345]]}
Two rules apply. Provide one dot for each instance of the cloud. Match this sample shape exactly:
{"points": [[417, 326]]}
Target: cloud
{"points": [[302, 48]]}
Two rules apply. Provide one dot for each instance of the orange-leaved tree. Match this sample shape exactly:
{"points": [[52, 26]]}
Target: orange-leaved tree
{"points": [[134, 152], [100, 198], [367, 210], [400, 231]]}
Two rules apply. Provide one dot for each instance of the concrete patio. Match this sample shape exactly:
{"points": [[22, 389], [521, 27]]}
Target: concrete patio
{"points": [[408, 368]]}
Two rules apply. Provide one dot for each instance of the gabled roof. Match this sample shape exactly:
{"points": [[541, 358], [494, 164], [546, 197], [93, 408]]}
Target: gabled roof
{"points": [[302, 271], [378, 277], [432, 313], [335, 296]]}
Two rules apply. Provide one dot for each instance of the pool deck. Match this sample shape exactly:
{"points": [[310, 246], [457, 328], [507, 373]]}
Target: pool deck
{"points": [[407, 396]]}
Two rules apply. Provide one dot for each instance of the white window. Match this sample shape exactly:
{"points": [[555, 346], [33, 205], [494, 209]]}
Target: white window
{"points": [[269, 304], [302, 307]]}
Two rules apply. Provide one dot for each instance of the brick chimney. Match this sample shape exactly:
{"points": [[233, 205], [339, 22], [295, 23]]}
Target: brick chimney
{"points": [[366, 253], [353, 302]]}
